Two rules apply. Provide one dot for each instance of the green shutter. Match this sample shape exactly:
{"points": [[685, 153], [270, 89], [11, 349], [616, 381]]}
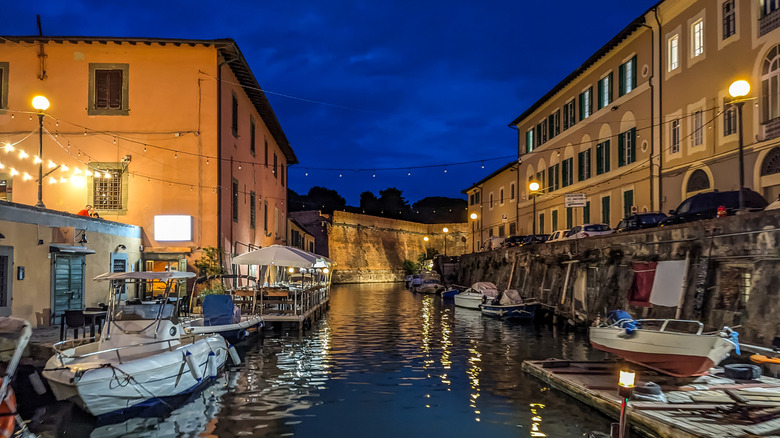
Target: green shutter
{"points": [[621, 150], [633, 72], [554, 221], [569, 217], [601, 94], [586, 213], [582, 105], [632, 150], [580, 166], [550, 179], [599, 154], [609, 84], [628, 201], [622, 80], [605, 216], [607, 155]]}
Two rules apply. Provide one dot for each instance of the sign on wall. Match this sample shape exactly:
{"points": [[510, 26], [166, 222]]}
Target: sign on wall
{"points": [[575, 200], [173, 228]]}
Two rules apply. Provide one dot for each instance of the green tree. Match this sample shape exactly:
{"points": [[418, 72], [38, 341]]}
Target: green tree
{"points": [[210, 263], [410, 267]]}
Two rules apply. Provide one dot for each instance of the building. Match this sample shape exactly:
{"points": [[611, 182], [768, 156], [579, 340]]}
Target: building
{"points": [[492, 205], [174, 136], [648, 121], [298, 237]]}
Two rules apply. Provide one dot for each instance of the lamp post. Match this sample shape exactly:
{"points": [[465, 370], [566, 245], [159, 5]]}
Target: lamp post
{"points": [[473, 217], [41, 104], [445, 230], [738, 90], [533, 188], [625, 388]]}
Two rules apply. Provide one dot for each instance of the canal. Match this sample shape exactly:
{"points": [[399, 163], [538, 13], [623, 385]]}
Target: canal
{"points": [[383, 362]]}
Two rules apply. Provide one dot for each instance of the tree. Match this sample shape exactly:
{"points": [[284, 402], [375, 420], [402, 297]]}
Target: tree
{"points": [[325, 200], [369, 203], [393, 203], [439, 209]]}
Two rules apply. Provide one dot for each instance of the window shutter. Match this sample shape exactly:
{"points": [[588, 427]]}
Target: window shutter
{"points": [[565, 172], [607, 155], [101, 89], [582, 105], [601, 93], [599, 159], [632, 149], [115, 89], [580, 166], [609, 91], [633, 72], [621, 150], [550, 179], [622, 80]]}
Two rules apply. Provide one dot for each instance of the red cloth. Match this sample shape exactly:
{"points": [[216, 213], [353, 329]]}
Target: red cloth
{"points": [[83, 212], [644, 275]]}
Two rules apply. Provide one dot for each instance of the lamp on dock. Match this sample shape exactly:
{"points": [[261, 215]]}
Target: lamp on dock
{"points": [[625, 388], [533, 188], [738, 90], [41, 104], [473, 232], [445, 230]]}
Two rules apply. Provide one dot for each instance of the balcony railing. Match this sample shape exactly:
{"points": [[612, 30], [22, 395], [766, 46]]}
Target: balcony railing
{"points": [[769, 22], [771, 128]]}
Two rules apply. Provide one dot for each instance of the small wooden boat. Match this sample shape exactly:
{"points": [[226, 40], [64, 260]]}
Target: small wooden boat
{"points": [[663, 344], [430, 286], [450, 293], [519, 311]]}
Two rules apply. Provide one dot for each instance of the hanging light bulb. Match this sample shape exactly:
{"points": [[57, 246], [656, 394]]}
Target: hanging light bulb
{"points": [[97, 174], [63, 180], [2, 166], [52, 164], [483, 165], [85, 132], [239, 167], [8, 147], [445, 170], [76, 171], [373, 176], [88, 172], [114, 140], [52, 180], [57, 123], [26, 176], [175, 155], [340, 175], [14, 172], [144, 148], [107, 175], [307, 173], [64, 168], [409, 173], [207, 161], [22, 154]]}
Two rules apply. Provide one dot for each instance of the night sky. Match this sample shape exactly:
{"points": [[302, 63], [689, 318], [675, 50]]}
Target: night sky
{"points": [[367, 85]]}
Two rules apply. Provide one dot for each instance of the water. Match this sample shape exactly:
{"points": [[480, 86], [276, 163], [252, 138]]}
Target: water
{"points": [[382, 363]]}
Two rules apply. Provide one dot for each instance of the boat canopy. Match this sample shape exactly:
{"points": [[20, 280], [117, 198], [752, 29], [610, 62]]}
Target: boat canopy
{"points": [[145, 275]]}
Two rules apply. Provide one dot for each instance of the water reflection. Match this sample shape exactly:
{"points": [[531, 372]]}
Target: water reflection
{"points": [[384, 363]]}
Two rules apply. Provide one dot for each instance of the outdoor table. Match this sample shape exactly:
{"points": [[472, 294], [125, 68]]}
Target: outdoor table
{"points": [[94, 317]]}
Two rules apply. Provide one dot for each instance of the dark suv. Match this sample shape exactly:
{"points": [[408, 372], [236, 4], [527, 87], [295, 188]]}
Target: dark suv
{"points": [[534, 238], [707, 205], [513, 241], [638, 221]]}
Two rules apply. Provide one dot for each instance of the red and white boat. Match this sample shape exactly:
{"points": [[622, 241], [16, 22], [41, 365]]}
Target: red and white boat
{"points": [[664, 345]]}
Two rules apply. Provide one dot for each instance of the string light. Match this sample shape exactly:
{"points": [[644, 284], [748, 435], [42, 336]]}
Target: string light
{"points": [[64, 168], [2, 166], [52, 180], [144, 148], [63, 180], [306, 174], [88, 172], [52, 164], [8, 148], [22, 154], [26, 176], [107, 175], [445, 170], [176, 155]]}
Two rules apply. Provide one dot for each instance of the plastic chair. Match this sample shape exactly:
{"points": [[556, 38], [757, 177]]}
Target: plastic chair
{"points": [[74, 319]]}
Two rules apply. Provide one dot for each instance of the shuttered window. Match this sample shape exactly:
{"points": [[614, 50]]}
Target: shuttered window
{"points": [[567, 174], [627, 76], [235, 200], [107, 190], [3, 85], [252, 210], [108, 89], [569, 115], [605, 91], [602, 157], [583, 164], [586, 103], [627, 147]]}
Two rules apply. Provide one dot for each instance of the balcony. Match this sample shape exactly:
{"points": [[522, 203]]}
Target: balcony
{"points": [[769, 22], [771, 128]]}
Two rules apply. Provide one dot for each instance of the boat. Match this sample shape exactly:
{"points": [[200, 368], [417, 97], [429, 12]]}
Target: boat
{"points": [[671, 346], [430, 286], [11, 423], [472, 297], [450, 292], [221, 314], [143, 355], [509, 304]]}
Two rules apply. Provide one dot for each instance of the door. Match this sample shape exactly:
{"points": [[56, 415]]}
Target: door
{"points": [[67, 283], [6, 279]]}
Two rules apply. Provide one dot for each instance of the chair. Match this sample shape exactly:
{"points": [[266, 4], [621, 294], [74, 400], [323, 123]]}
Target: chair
{"points": [[73, 319]]}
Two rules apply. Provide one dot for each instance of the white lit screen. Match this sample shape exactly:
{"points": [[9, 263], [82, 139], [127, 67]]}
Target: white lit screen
{"points": [[169, 228]]}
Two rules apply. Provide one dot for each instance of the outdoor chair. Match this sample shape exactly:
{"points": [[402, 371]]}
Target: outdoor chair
{"points": [[73, 319]]}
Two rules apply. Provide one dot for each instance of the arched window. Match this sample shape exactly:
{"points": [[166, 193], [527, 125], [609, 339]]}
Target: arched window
{"points": [[698, 181], [770, 85], [771, 164]]}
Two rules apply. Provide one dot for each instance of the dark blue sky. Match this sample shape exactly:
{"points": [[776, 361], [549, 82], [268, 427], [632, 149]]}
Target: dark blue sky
{"points": [[370, 84]]}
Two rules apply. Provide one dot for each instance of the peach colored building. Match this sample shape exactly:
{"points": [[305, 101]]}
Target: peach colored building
{"points": [[175, 136]]}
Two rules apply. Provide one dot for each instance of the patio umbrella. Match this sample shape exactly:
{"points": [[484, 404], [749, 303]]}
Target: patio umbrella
{"points": [[279, 255]]}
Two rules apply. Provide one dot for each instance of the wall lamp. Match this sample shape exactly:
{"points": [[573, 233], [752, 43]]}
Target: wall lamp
{"points": [[83, 238], [120, 246]]}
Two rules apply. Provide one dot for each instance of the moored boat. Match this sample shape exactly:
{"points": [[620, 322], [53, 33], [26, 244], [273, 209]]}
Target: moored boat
{"points": [[143, 355], [509, 304], [221, 315], [472, 297], [430, 286], [663, 345]]}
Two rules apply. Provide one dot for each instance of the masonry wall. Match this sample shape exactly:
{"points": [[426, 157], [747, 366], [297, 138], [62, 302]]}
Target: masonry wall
{"points": [[715, 249]]}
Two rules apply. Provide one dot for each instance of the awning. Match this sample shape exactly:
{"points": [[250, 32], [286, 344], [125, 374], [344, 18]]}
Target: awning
{"points": [[70, 249]]}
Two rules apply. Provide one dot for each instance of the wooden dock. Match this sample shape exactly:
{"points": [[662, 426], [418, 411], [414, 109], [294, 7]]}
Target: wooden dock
{"points": [[300, 308], [705, 406]]}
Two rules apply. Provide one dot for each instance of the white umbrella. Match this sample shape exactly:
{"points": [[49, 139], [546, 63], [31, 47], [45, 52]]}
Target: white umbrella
{"points": [[279, 255]]}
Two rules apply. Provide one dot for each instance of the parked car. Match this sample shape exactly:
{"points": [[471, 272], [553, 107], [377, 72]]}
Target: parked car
{"points": [[557, 236], [493, 242], [639, 221], [513, 241], [588, 230], [534, 238], [713, 204]]}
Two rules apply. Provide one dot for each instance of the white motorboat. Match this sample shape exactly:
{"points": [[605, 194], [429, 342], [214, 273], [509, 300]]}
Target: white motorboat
{"points": [[430, 286], [220, 314], [660, 344], [142, 355], [472, 297]]}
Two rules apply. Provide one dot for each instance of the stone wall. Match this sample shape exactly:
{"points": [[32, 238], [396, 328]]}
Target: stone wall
{"points": [[721, 253]]}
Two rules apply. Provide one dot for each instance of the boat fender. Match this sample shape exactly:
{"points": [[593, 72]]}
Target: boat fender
{"points": [[8, 413], [212, 365], [735, 339], [741, 371], [37, 383], [194, 370], [234, 355]]}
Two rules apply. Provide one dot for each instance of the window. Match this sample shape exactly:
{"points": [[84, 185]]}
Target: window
{"points": [[3, 86], [108, 187], [729, 19], [769, 6], [234, 116], [276, 164], [770, 85], [586, 103], [490, 198], [734, 286], [282, 168], [476, 198], [730, 121], [512, 229], [675, 147], [252, 132], [501, 196], [627, 76], [471, 199], [490, 232], [628, 202], [554, 221], [567, 174], [583, 164], [569, 217], [541, 181], [627, 147], [108, 89], [605, 210], [541, 223], [235, 200], [529, 141], [674, 52], [252, 209], [697, 38], [698, 128], [698, 181], [265, 217], [501, 230], [586, 213], [512, 191], [541, 132], [552, 178], [266, 152], [602, 157], [569, 116], [554, 124], [605, 91]]}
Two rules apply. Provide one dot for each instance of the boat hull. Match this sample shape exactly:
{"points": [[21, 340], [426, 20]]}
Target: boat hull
{"points": [[449, 293], [102, 385], [517, 311], [468, 300], [675, 354]]}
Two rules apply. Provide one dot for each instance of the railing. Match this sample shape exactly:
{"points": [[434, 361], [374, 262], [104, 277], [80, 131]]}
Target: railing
{"points": [[60, 347], [771, 128], [769, 22], [664, 323]]}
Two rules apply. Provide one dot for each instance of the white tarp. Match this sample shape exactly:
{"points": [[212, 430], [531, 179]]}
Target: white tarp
{"points": [[280, 255], [668, 285]]}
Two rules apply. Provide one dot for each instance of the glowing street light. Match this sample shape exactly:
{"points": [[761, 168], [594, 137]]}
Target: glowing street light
{"points": [[533, 188], [445, 230], [738, 90], [625, 387], [41, 104], [473, 217]]}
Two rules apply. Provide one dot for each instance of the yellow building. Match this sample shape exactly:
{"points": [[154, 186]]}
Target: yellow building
{"points": [[648, 121], [298, 237], [492, 206], [174, 136]]}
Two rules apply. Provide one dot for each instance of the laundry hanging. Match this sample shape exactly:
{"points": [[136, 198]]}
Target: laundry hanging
{"points": [[642, 286]]}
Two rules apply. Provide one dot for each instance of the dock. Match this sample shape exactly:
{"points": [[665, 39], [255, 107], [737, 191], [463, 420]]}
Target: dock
{"points": [[705, 406], [301, 307]]}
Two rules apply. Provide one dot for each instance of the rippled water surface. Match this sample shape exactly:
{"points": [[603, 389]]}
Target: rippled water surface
{"points": [[383, 362]]}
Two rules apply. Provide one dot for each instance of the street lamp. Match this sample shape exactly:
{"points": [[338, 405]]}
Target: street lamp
{"points": [[533, 188], [445, 230], [41, 104], [473, 217], [738, 90], [625, 388]]}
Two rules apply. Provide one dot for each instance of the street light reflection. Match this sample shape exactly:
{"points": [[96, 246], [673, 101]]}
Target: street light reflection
{"points": [[536, 420]]}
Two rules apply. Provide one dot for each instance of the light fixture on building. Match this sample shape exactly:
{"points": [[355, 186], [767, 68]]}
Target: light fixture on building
{"points": [[41, 104], [738, 90], [83, 238]]}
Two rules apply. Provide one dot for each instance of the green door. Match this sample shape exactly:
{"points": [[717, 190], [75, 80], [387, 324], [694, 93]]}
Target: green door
{"points": [[628, 201], [67, 283]]}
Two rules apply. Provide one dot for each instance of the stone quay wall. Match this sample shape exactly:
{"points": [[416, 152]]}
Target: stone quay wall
{"points": [[733, 275], [371, 249]]}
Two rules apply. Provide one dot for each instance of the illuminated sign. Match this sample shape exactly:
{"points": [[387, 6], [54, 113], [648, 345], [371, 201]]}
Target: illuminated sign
{"points": [[172, 228]]}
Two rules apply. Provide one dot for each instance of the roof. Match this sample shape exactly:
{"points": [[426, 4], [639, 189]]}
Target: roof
{"points": [[617, 39], [229, 50], [496, 172]]}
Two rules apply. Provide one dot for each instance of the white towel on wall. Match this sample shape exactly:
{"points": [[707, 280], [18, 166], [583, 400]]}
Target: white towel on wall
{"points": [[668, 285]]}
